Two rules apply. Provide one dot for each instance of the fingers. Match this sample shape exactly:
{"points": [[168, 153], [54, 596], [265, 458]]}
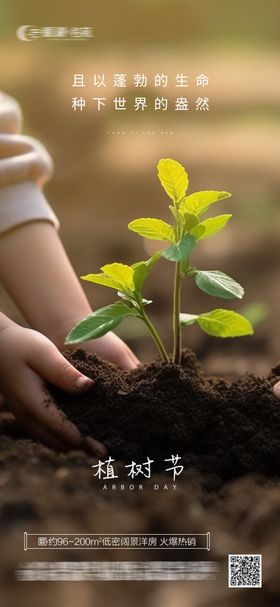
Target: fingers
{"points": [[111, 347], [38, 433], [276, 390], [126, 360], [54, 368], [31, 359], [31, 402], [45, 422], [123, 358], [93, 446]]}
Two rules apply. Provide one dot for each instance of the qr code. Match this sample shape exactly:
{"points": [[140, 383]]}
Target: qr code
{"points": [[245, 570]]}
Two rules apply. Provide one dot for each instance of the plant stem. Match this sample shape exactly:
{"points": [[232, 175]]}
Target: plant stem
{"points": [[176, 315], [155, 336]]}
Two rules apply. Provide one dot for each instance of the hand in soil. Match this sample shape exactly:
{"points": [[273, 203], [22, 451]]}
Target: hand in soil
{"points": [[28, 360], [109, 347]]}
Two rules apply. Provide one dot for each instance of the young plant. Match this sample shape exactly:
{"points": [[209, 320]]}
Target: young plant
{"points": [[182, 236]]}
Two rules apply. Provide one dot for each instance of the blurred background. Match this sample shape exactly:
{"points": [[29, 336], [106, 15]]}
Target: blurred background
{"points": [[105, 162]]}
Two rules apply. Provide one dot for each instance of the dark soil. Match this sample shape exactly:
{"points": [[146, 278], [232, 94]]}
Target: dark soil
{"points": [[218, 427], [225, 429]]}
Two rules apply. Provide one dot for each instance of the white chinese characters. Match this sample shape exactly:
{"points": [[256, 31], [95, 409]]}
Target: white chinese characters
{"points": [[105, 469], [144, 101]]}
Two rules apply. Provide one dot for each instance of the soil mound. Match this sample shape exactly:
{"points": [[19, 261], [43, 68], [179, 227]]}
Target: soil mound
{"points": [[216, 426]]}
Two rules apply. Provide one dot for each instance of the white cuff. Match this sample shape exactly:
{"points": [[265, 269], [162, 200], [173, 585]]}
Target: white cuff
{"points": [[23, 202]]}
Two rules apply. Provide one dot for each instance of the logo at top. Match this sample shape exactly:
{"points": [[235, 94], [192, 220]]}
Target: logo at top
{"points": [[29, 33]]}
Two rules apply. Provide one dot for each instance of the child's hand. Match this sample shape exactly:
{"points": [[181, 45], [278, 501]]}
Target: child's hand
{"points": [[111, 347], [27, 360]]}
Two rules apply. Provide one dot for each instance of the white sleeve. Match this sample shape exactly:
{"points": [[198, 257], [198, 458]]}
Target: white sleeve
{"points": [[25, 166]]}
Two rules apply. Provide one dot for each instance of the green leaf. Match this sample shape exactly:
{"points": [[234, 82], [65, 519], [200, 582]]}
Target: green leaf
{"points": [[121, 273], [181, 249], [218, 284], [101, 279], [142, 270], [190, 221], [224, 323], [155, 229], [220, 323], [198, 202], [173, 178], [99, 323], [210, 226], [187, 220], [115, 275], [176, 214]]}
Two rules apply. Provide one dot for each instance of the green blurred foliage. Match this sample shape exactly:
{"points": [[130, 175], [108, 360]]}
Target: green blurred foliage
{"points": [[256, 313]]}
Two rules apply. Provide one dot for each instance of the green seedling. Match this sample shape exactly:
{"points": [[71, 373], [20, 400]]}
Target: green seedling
{"points": [[182, 236]]}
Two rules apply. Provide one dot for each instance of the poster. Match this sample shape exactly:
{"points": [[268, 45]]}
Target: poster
{"points": [[140, 106]]}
